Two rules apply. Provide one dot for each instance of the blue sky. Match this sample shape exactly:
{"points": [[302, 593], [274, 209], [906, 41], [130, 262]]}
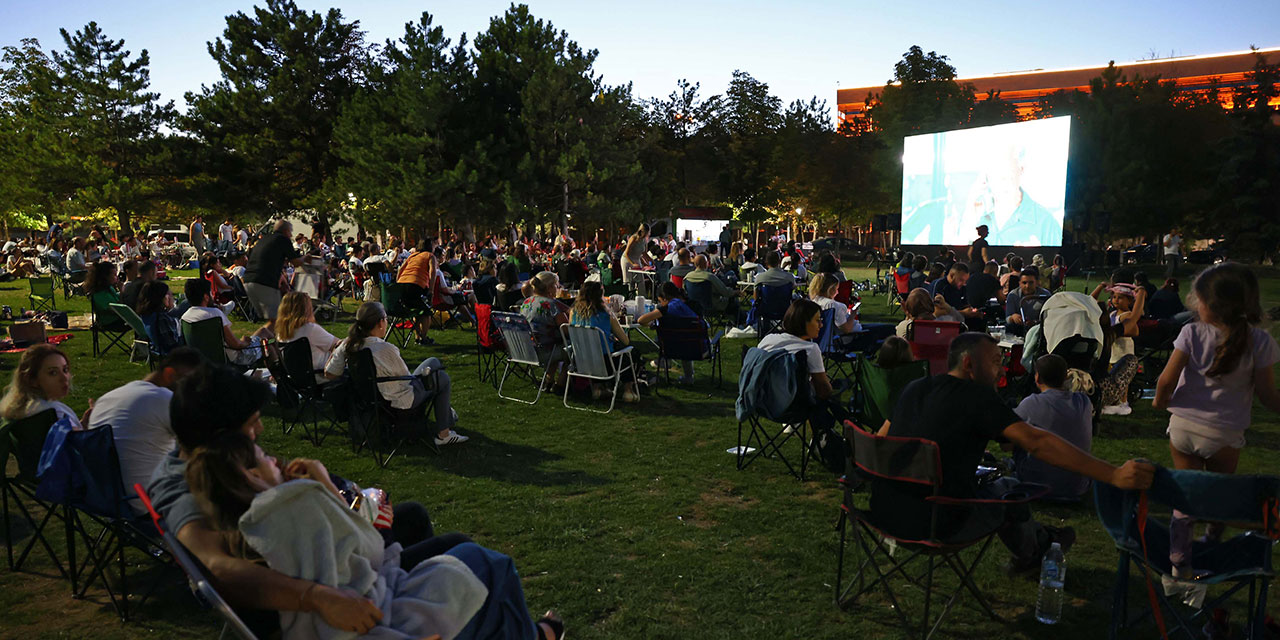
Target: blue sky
{"points": [[800, 48]]}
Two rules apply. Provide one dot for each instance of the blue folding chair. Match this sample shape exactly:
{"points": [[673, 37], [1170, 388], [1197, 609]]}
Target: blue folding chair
{"points": [[1245, 501], [840, 362], [771, 304]]}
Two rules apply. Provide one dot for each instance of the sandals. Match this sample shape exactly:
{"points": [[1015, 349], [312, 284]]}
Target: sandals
{"points": [[554, 623]]}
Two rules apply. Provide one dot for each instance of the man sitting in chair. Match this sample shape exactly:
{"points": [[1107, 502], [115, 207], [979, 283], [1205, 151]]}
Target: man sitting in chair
{"points": [[722, 297], [961, 412]]}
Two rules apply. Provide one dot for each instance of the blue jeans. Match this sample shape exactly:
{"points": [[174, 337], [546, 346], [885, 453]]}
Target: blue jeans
{"points": [[504, 615]]}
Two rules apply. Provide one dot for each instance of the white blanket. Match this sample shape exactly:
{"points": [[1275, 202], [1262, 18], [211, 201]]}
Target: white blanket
{"points": [[1067, 314], [304, 531]]}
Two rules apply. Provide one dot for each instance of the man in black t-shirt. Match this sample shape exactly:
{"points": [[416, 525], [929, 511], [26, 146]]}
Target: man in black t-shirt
{"points": [[961, 412], [983, 286], [266, 262]]}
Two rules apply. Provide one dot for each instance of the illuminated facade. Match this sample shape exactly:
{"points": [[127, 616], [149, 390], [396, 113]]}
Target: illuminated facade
{"points": [[1023, 89]]}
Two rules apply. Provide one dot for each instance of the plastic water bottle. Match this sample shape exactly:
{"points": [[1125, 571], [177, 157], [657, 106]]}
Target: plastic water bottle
{"points": [[1053, 573]]}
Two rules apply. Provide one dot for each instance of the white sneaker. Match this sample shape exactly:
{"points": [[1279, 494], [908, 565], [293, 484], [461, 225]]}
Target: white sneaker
{"points": [[453, 438], [1117, 410]]}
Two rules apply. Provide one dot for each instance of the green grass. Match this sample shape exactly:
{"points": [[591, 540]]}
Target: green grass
{"points": [[635, 524]]}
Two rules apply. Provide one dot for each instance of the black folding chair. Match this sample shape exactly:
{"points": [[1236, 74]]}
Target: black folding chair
{"points": [[301, 374], [24, 439], [915, 463], [769, 439], [105, 323], [200, 585], [399, 311], [686, 339], [377, 425]]}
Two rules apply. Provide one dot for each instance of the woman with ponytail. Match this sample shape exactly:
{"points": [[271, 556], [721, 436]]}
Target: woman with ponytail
{"points": [[1218, 364], [368, 332]]}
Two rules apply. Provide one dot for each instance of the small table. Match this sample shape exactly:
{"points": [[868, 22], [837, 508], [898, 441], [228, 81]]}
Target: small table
{"points": [[639, 329]]}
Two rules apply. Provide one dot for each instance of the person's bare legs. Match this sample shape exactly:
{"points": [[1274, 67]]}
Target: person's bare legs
{"points": [[1181, 525]]}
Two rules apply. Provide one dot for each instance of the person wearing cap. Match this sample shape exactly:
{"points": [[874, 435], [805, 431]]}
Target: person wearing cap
{"points": [[1127, 304], [1028, 286], [978, 257]]}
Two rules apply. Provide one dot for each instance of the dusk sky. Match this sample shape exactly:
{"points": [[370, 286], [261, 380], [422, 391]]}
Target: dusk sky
{"points": [[801, 48]]}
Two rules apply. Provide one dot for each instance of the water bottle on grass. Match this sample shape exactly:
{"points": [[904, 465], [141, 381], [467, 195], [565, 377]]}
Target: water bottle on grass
{"points": [[1053, 572]]}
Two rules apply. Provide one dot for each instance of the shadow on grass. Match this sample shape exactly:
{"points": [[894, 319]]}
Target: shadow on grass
{"points": [[510, 462]]}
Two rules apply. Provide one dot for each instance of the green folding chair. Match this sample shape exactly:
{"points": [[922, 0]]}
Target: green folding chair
{"points": [[141, 339], [878, 389], [41, 295], [205, 336]]}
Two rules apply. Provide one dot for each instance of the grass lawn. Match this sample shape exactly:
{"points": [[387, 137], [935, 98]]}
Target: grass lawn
{"points": [[635, 524]]}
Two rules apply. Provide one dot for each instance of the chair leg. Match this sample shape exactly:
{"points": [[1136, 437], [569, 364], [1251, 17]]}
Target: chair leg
{"points": [[1120, 597], [928, 596]]}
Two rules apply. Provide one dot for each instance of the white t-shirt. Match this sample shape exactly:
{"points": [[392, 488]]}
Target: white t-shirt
{"points": [[226, 232], [841, 315], [387, 360], [321, 344], [242, 238], [793, 344], [63, 411], [1174, 246], [196, 314], [138, 414]]}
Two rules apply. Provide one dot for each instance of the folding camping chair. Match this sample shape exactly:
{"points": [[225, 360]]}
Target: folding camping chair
{"points": [[24, 439], [791, 423], [703, 294], [1244, 501], [141, 339], [840, 363], [916, 463], [244, 306], [300, 373], [200, 585], [879, 388], [489, 347], [523, 353], [373, 421], [41, 296], [931, 339], [1031, 306], [900, 287], [205, 336], [97, 513], [106, 323], [686, 339], [400, 312], [771, 305], [591, 360]]}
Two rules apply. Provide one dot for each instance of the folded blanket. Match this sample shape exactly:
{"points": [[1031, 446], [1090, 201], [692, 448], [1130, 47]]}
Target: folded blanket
{"points": [[304, 531]]}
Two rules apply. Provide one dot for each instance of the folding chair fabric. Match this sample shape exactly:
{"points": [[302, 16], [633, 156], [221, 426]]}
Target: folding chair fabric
{"points": [[41, 296], [301, 374], [931, 340], [879, 388], [24, 440], [374, 423], [489, 345], [589, 359], [205, 336], [522, 353], [103, 325], [141, 339], [682, 338]]}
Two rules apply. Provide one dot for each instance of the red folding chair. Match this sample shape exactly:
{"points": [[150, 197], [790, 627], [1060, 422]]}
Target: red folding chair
{"points": [[200, 585], [931, 339], [489, 346]]}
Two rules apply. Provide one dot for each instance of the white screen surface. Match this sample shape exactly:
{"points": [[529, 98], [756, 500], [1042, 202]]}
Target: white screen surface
{"points": [[700, 231], [1010, 177]]}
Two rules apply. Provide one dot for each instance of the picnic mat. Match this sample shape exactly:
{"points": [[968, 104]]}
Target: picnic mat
{"points": [[6, 345]]}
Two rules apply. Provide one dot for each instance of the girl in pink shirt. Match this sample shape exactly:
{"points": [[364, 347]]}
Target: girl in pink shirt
{"points": [[1218, 364]]}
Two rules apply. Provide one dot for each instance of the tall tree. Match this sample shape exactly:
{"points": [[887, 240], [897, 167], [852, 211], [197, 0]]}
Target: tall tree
{"points": [[116, 123], [37, 175], [286, 74], [742, 126]]}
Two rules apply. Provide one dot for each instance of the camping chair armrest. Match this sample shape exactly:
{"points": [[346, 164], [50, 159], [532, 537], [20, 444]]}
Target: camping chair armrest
{"points": [[1033, 492], [715, 341], [617, 355], [394, 378]]}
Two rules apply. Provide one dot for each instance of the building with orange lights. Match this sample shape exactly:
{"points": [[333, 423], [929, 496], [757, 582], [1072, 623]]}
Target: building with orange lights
{"points": [[1023, 89]]}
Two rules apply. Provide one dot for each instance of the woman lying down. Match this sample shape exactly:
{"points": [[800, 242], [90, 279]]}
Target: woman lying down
{"points": [[295, 521]]}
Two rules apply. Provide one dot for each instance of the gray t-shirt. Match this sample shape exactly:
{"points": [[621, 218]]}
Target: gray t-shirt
{"points": [[170, 495], [138, 413], [1068, 415]]}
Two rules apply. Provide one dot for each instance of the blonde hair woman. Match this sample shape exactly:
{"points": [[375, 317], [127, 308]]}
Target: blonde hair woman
{"points": [[41, 381], [822, 290], [295, 319]]}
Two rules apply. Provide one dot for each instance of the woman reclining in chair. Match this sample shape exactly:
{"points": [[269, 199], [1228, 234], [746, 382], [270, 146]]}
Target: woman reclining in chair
{"points": [[368, 332], [294, 519]]}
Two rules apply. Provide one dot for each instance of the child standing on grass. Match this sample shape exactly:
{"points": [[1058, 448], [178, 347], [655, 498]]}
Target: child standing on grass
{"points": [[1217, 365]]}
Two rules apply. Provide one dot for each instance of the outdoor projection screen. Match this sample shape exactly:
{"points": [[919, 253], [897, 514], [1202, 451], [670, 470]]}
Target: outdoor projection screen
{"points": [[1010, 177]]}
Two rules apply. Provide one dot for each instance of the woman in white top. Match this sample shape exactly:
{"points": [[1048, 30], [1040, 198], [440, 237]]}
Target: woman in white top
{"points": [[41, 381], [800, 326], [368, 332], [295, 319], [822, 290]]}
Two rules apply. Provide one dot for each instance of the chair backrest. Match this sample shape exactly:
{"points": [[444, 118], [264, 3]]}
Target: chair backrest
{"points": [[908, 460], [41, 286], [678, 281], [902, 282], [931, 339], [774, 300], [96, 484], [195, 573], [826, 335], [606, 276], [131, 318], [701, 293], [24, 439], [683, 338], [881, 387], [298, 365], [205, 336], [844, 292], [364, 379], [586, 350], [662, 270], [1031, 305], [486, 333], [517, 334], [391, 293], [308, 283]]}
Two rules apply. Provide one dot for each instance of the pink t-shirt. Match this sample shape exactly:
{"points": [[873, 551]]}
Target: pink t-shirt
{"points": [[1224, 402]]}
